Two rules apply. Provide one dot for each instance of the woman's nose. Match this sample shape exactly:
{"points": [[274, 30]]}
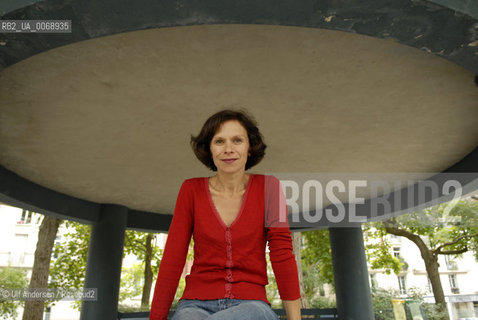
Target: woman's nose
{"points": [[228, 146]]}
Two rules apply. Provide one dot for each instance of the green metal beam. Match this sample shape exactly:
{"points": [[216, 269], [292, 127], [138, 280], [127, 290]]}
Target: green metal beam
{"points": [[12, 5], [468, 7]]}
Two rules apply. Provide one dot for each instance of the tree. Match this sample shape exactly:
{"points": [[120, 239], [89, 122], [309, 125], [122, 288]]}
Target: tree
{"points": [[445, 229], [41, 266], [314, 288], [379, 250], [317, 267], [317, 254], [68, 270], [140, 244], [68, 267], [296, 245], [11, 278], [131, 284], [317, 262]]}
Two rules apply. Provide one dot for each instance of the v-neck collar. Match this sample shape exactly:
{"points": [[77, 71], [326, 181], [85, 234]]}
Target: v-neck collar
{"points": [[213, 206]]}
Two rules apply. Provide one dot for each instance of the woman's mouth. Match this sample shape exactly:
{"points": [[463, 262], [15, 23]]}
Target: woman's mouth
{"points": [[229, 160]]}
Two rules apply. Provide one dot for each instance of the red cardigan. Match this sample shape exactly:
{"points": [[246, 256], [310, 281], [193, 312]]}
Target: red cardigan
{"points": [[229, 262]]}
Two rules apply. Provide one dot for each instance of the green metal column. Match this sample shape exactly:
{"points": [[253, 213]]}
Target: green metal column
{"points": [[103, 268], [352, 289]]}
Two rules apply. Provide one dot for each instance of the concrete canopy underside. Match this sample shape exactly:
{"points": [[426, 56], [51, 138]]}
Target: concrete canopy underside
{"points": [[108, 120]]}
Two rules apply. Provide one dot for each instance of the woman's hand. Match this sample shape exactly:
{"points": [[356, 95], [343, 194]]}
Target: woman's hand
{"points": [[292, 309]]}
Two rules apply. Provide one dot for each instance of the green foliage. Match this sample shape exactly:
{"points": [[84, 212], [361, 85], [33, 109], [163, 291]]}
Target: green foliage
{"points": [[68, 269], [134, 243], [383, 308], [448, 227], [382, 303], [432, 311], [317, 270], [312, 283], [11, 278], [131, 281], [379, 250], [271, 288], [131, 285], [317, 257], [68, 263], [313, 286], [322, 303]]}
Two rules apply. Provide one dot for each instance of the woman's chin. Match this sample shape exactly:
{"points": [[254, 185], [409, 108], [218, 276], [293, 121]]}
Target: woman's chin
{"points": [[230, 170]]}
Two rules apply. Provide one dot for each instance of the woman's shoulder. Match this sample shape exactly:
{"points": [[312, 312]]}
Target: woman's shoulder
{"points": [[270, 179], [194, 182], [195, 179], [264, 180]]}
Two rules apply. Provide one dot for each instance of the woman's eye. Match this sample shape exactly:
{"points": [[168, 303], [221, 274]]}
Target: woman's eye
{"points": [[219, 141], [238, 140]]}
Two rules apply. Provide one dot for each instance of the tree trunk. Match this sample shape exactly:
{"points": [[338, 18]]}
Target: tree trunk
{"points": [[296, 241], [41, 266], [431, 264], [148, 273]]}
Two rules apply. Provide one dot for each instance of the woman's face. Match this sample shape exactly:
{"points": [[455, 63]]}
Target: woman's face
{"points": [[230, 147]]}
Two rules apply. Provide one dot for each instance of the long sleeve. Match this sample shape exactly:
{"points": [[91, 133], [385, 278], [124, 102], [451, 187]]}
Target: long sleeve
{"points": [[280, 242], [283, 263], [174, 255]]}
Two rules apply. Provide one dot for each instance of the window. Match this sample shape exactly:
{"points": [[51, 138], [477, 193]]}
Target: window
{"points": [[373, 281], [26, 217], [402, 286], [453, 283], [396, 252], [450, 264]]}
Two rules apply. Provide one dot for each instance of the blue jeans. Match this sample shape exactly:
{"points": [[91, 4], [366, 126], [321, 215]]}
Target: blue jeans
{"points": [[230, 309]]}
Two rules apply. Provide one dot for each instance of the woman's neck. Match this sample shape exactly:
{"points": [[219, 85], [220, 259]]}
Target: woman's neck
{"points": [[230, 183]]}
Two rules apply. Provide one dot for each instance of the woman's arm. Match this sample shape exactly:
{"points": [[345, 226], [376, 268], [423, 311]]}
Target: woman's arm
{"points": [[292, 309], [174, 256], [280, 249]]}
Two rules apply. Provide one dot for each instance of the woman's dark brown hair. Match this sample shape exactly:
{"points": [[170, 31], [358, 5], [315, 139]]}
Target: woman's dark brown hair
{"points": [[201, 143]]}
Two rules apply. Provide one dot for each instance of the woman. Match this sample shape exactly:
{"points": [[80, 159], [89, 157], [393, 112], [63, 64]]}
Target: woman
{"points": [[231, 216]]}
